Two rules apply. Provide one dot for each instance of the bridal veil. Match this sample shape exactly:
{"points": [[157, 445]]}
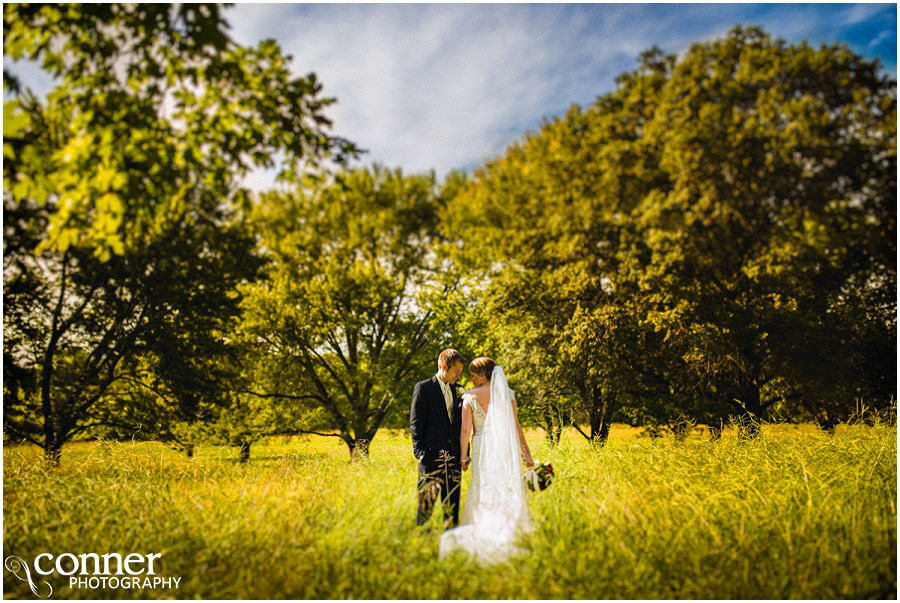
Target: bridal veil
{"points": [[501, 513]]}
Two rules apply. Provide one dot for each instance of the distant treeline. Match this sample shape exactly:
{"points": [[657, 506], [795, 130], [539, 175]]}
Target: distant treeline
{"points": [[714, 240]]}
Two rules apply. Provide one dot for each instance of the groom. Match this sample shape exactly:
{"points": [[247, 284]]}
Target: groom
{"points": [[434, 423]]}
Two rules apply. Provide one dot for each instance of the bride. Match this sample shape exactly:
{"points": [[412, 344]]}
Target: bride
{"points": [[496, 509]]}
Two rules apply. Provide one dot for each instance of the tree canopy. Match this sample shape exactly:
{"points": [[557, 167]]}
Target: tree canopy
{"points": [[125, 222], [349, 295], [687, 239], [716, 236]]}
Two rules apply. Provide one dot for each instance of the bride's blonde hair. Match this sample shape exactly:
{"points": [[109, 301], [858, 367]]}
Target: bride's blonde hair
{"points": [[483, 366]]}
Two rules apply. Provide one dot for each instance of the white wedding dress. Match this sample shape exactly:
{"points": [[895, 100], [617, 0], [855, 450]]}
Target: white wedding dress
{"points": [[495, 513]]}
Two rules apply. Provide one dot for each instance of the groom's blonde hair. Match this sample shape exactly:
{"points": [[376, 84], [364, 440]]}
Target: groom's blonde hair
{"points": [[450, 357]]}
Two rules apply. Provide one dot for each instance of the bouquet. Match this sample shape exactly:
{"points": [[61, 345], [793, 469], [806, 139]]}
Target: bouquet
{"points": [[539, 477]]}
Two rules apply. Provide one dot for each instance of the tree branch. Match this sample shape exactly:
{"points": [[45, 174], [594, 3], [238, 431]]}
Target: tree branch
{"points": [[587, 437], [296, 431], [386, 401], [145, 385], [773, 400], [80, 428], [110, 358], [333, 374], [275, 395], [323, 392], [335, 346], [735, 404], [22, 435]]}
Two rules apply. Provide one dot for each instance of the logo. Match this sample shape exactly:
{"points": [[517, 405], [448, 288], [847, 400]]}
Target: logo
{"points": [[17, 564], [90, 570]]}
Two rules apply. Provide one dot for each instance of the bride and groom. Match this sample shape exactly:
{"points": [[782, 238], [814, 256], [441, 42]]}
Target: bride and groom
{"points": [[441, 421]]}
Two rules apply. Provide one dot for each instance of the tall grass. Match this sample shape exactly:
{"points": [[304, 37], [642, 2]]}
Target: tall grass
{"points": [[792, 514]]}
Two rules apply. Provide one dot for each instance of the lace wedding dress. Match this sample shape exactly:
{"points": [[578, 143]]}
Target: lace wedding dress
{"points": [[496, 508]]}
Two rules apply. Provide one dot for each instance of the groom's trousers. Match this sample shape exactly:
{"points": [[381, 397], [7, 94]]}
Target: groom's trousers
{"points": [[438, 477]]}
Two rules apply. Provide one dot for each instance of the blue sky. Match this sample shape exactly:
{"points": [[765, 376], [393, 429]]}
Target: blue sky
{"points": [[447, 86], [444, 86]]}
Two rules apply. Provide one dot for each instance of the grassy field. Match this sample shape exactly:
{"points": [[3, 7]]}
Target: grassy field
{"points": [[793, 514]]}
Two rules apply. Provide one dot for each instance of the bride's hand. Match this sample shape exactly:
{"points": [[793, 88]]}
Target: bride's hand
{"points": [[465, 463]]}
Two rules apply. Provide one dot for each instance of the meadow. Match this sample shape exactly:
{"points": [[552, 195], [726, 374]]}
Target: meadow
{"points": [[795, 513]]}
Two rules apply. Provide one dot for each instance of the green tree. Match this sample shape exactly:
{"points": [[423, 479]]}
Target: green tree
{"points": [[348, 296], [124, 226], [264, 398], [684, 234], [781, 162], [544, 224]]}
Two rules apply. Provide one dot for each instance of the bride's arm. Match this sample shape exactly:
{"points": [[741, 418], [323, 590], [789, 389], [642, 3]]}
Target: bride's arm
{"points": [[464, 432], [522, 443]]}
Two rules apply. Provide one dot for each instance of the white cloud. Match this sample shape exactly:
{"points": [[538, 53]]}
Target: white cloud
{"points": [[857, 13], [447, 86], [881, 37]]}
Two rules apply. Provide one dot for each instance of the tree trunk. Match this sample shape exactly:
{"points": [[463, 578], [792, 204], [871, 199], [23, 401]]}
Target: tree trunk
{"points": [[681, 427], [601, 416], [553, 426], [53, 453], [826, 422], [52, 434], [244, 451], [358, 446], [359, 449], [679, 430], [715, 431], [749, 425], [52, 445], [608, 410]]}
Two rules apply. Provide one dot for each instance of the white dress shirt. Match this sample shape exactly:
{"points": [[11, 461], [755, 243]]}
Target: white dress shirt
{"points": [[448, 396]]}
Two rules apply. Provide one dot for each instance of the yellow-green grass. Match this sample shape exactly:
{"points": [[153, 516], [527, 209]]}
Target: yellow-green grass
{"points": [[793, 514]]}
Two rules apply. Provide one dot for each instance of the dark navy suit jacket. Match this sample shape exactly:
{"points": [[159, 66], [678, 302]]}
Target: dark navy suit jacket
{"points": [[430, 427]]}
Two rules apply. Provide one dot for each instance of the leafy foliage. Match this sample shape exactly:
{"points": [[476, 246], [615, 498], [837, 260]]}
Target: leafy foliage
{"points": [[347, 302], [125, 225], [682, 244]]}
